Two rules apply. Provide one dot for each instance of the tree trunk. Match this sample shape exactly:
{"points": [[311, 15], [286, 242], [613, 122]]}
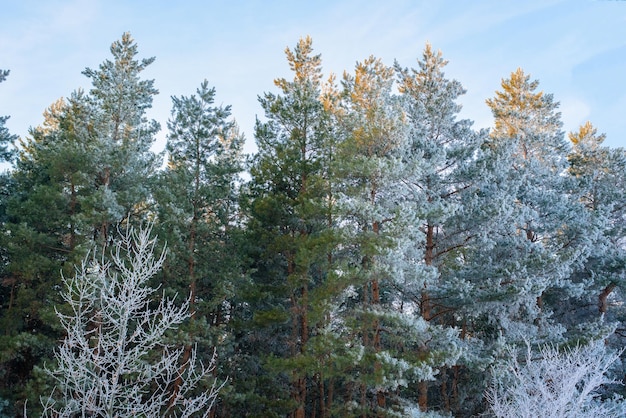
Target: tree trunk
{"points": [[425, 310], [321, 395], [73, 204], [603, 304], [444, 389], [191, 264], [299, 338]]}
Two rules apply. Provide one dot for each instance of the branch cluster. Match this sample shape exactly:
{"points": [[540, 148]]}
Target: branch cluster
{"points": [[115, 361]]}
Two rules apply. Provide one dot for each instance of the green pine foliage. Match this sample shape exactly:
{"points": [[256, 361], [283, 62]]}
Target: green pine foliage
{"points": [[78, 177], [7, 152], [380, 256], [291, 234], [197, 212]]}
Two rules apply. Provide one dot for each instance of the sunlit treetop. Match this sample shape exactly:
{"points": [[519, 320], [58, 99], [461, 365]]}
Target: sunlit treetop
{"points": [[587, 135], [306, 66], [520, 106]]}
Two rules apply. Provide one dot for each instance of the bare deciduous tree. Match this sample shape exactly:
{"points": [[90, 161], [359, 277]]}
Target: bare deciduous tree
{"points": [[115, 361], [556, 384]]}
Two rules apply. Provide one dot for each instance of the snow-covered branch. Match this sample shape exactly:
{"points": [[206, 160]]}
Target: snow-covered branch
{"points": [[555, 384], [114, 361]]}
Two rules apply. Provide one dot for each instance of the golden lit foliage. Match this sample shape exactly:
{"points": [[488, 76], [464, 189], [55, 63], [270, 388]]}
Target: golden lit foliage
{"points": [[518, 92], [305, 66], [587, 135], [369, 92]]}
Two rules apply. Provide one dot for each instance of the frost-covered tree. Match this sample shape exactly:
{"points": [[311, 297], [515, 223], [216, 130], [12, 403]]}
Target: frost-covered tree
{"points": [[550, 383], [543, 231], [600, 175], [114, 360], [442, 176], [372, 225], [124, 137]]}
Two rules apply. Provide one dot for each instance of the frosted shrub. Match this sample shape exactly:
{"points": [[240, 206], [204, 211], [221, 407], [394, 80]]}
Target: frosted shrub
{"points": [[114, 361], [554, 384]]}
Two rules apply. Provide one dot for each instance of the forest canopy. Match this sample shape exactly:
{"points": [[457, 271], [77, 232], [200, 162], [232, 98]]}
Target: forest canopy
{"points": [[376, 256]]}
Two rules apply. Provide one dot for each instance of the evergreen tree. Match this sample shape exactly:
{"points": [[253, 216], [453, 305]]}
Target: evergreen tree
{"points": [[9, 365], [79, 176], [6, 138], [372, 223], [544, 231], [599, 175], [125, 161], [43, 234], [443, 171], [198, 215], [288, 236]]}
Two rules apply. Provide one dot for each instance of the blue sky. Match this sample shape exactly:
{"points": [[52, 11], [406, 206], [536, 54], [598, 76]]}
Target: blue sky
{"points": [[575, 48]]}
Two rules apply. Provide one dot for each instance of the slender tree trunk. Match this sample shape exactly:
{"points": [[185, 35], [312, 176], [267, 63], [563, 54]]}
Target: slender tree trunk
{"points": [[102, 229], [444, 389], [375, 300], [456, 370], [322, 394], [191, 264], [304, 335], [11, 298], [297, 343], [425, 310], [603, 304], [330, 396], [363, 400], [73, 204]]}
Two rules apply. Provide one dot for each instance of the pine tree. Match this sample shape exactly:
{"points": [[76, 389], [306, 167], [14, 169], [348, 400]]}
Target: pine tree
{"points": [[598, 172], [443, 173], [545, 232], [371, 223], [124, 137], [198, 214], [288, 233], [10, 364], [78, 177], [43, 217], [6, 138]]}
